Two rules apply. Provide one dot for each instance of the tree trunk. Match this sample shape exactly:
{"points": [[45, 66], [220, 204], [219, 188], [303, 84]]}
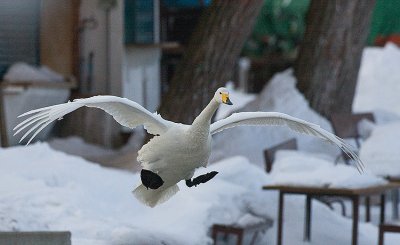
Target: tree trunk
{"points": [[210, 57], [330, 55]]}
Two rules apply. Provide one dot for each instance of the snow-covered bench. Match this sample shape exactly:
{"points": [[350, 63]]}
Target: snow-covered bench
{"points": [[244, 231], [36, 237]]}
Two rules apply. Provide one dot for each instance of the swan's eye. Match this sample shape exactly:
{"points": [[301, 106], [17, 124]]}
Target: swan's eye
{"points": [[220, 92]]}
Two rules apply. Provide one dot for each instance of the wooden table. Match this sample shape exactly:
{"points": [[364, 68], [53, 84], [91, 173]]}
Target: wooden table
{"points": [[311, 192]]}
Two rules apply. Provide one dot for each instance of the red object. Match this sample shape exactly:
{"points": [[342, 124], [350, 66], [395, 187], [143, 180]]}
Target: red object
{"points": [[382, 40]]}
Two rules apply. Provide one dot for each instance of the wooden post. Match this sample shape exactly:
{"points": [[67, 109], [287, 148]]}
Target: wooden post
{"points": [[382, 218], [280, 218], [395, 204], [3, 124], [380, 236], [367, 209], [355, 219], [307, 223]]}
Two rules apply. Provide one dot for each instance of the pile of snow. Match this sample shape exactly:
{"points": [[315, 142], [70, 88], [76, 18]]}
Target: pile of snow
{"points": [[22, 72], [240, 100], [378, 85], [279, 95], [303, 169], [123, 158], [380, 151], [42, 189]]}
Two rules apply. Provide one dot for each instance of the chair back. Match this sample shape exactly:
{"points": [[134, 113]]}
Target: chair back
{"points": [[269, 154], [345, 126]]}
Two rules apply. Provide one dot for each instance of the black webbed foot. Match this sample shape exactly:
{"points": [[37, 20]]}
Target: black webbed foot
{"points": [[201, 179], [151, 180]]}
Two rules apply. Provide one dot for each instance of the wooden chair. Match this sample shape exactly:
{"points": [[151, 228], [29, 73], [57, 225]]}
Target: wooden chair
{"points": [[269, 154], [387, 228], [239, 234], [346, 127]]}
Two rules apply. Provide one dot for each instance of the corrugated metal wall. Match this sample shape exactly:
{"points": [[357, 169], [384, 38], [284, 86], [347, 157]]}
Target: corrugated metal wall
{"points": [[19, 32]]}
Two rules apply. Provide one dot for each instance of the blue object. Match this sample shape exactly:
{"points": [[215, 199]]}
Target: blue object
{"points": [[185, 3], [139, 21]]}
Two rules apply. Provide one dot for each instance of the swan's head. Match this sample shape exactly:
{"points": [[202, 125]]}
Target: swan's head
{"points": [[222, 96]]}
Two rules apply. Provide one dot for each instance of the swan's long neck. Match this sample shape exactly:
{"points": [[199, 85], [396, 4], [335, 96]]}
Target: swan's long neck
{"points": [[204, 119]]}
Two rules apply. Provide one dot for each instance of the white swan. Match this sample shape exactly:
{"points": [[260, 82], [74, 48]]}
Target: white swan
{"points": [[177, 149]]}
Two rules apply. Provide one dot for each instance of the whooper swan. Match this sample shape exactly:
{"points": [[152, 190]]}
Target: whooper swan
{"points": [[177, 149]]}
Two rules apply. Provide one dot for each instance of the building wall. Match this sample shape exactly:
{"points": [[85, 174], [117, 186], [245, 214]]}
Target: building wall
{"points": [[94, 40], [142, 76], [57, 35], [133, 68]]}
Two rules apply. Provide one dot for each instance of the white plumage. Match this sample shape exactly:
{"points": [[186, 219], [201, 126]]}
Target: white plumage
{"points": [[177, 149]]}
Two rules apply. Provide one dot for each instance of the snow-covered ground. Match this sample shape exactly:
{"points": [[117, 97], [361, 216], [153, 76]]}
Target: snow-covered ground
{"points": [[42, 189]]}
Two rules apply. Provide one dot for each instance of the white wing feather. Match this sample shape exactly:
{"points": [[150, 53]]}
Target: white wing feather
{"points": [[280, 119], [125, 112]]}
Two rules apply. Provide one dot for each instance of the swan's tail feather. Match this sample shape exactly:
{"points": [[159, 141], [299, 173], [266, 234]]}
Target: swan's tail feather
{"points": [[151, 197]]}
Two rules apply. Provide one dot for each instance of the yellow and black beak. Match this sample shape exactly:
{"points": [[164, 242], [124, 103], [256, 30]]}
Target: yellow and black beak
{"points": [[226, 100]]}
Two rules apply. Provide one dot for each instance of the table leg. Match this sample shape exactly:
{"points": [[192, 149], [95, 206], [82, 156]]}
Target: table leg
{"points": [[356, 205], [395, 203], [214, 234], [307, 221], [367, 209], [280, 218], [382, 219]]}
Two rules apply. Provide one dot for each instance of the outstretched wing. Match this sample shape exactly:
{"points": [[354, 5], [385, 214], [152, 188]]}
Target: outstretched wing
{"points": [[125, 112], [280, 119]]}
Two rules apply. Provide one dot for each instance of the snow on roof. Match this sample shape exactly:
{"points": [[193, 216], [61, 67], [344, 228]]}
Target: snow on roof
{"points": [[21, 71]]}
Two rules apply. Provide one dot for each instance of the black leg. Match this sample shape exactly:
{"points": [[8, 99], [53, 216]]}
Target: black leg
{"points": [[150, 179], [201, 179]]}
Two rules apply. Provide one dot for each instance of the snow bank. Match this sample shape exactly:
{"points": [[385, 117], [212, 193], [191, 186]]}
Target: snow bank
{"points": [[279, 95], [23, 72], [302, 169], [123, 158], [380, 152], [378, 85], [42, 189]]}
